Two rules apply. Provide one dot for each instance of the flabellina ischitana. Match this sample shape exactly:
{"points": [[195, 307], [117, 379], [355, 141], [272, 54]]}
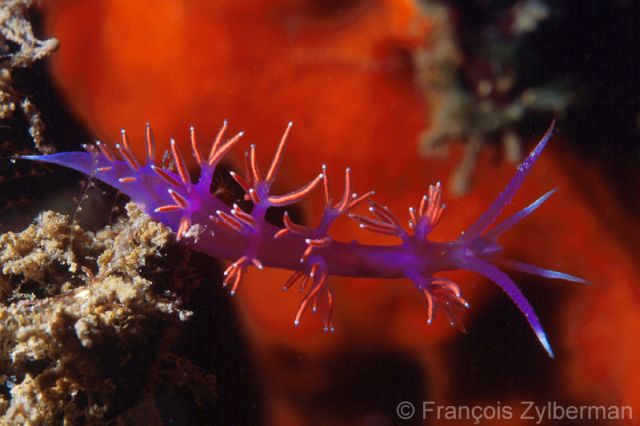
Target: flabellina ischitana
{"points": [[207, 224]]}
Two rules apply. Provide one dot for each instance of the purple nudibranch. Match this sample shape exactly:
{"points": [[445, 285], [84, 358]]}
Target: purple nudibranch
{"points": [[206, 224]]}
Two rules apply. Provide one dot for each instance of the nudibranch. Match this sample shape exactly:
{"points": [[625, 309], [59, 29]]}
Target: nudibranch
{"points": [[207, 224]]}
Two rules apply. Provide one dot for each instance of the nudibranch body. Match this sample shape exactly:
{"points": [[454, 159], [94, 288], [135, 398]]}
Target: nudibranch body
{"points": [[207, 224]]}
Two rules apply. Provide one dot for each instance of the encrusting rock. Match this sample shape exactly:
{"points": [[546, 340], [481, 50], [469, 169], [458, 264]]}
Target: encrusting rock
{"points": [[83, 326]]}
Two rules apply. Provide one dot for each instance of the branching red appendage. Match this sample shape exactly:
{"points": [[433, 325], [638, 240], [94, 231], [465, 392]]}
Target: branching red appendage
{"points": [[447, 295], [257, 189], [319, 288], [435, 291], [318, 238], [181, 194]]}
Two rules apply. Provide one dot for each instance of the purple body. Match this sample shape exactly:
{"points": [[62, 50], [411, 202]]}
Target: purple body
{"points": [[206, 224]]}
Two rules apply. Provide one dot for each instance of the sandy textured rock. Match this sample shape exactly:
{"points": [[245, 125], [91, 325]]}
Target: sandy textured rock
{"points": [[83, 328], [20, 48]]}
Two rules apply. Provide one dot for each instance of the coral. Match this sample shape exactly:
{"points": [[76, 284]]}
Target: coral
{"points": [[470, 73], [310, 53], [83, 325]]}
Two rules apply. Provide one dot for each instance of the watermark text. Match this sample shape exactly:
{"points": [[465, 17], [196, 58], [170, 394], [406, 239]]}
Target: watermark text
{"points": [[535, 412]]}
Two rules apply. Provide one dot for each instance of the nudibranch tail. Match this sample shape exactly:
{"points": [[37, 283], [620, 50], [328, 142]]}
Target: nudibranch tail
{"points": [[244, 237], [484, 250]]}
